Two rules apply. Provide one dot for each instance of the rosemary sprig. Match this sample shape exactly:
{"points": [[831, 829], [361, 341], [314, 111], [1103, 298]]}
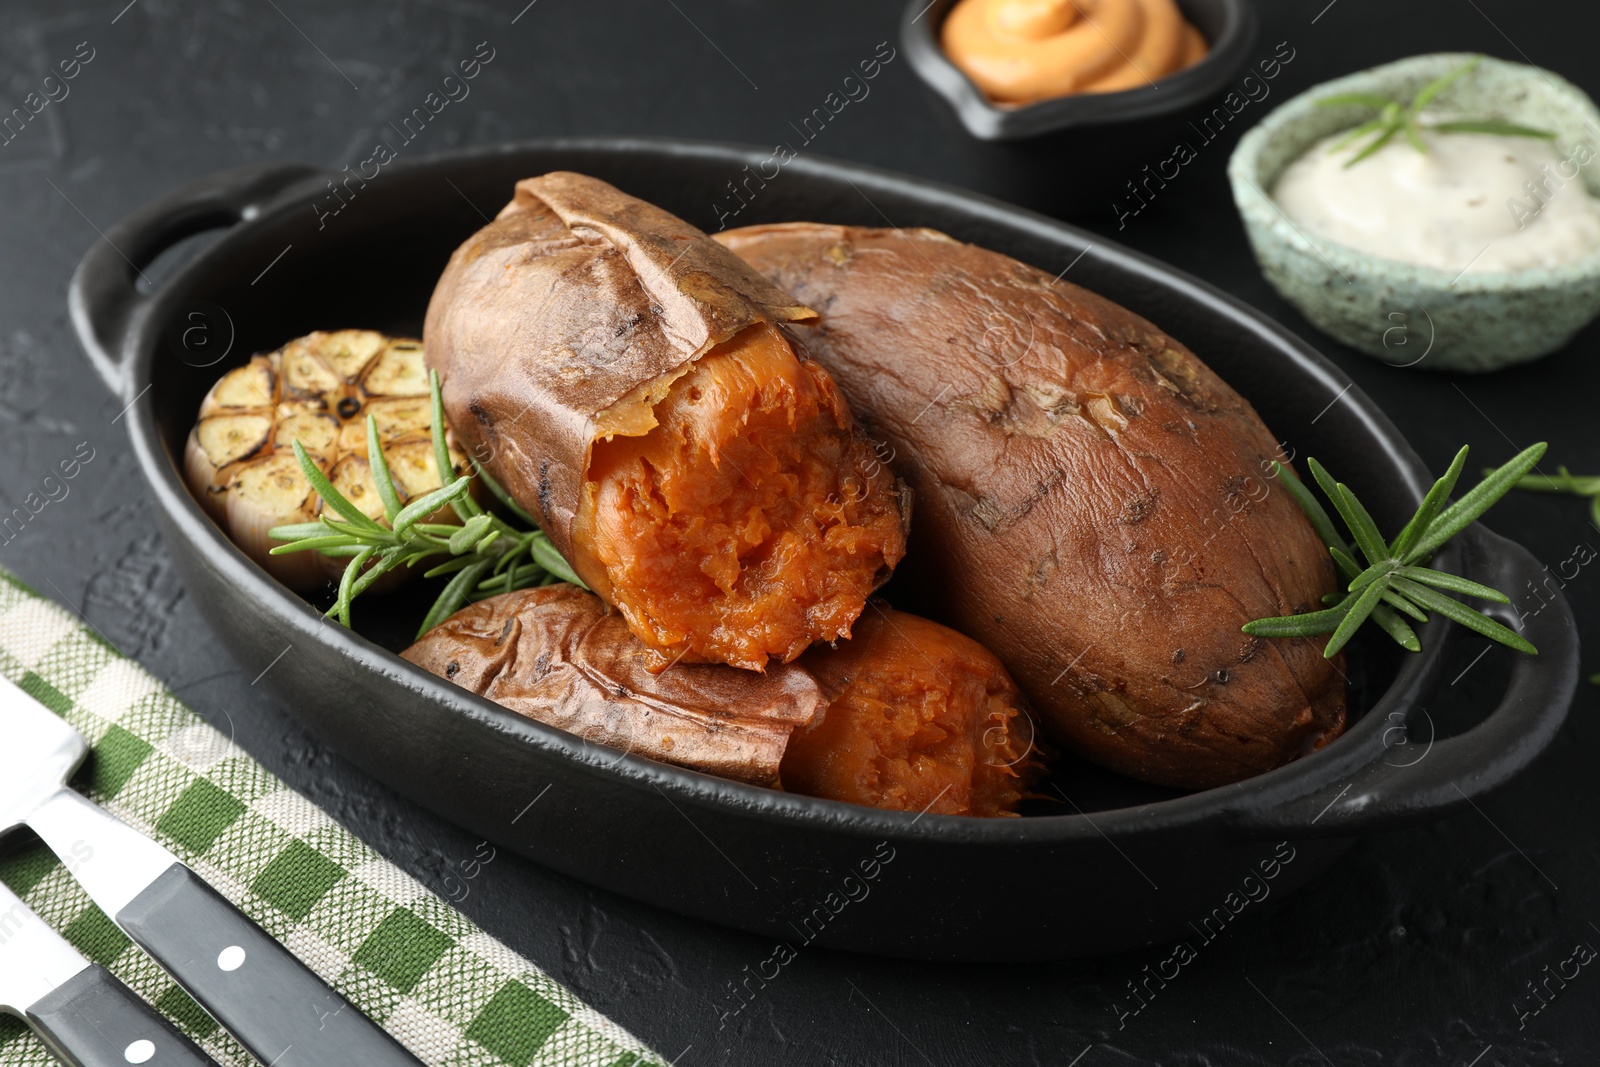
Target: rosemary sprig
{"points": [[485, 555], [1564, 481], [1396, 118], [1395, 580]]}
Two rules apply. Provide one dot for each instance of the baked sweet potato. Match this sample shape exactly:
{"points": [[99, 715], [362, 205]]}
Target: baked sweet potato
{"points": [[555, 654], [918, 718], [1093, 503], [633, 386]]}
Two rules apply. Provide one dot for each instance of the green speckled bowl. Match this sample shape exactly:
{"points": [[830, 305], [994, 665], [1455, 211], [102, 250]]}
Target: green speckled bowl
{"points": [[1422, 316]]}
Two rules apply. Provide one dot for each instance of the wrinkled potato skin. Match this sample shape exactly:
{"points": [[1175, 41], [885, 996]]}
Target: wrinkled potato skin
{"points": [[557, 655], [571, 300], [1093, 503]]}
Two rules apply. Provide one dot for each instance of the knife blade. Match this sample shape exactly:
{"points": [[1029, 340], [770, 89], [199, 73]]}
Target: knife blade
{"points": [[276, 1007], [84, 1015]]}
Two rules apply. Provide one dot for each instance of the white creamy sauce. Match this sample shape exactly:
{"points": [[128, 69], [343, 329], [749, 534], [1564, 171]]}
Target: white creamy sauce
{"points": [[1474, 202]]}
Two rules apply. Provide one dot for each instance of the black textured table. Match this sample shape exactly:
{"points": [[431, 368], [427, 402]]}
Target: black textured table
{"points": [[1418, 948]]}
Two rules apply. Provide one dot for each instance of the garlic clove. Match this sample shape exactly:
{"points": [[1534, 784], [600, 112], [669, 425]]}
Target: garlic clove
{"points": [[253, 385], [318, 433], [273, 491], [228, 439], [398, 371], [348, 352]]}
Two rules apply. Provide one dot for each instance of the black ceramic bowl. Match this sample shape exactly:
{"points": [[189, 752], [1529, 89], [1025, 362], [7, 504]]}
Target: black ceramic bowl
{"points": [[1112, 866], [1229, 27]]}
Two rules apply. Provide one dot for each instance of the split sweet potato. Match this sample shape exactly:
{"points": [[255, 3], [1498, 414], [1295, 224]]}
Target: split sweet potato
{"points": [[1093, 502], [908, 714], [635, 388]]}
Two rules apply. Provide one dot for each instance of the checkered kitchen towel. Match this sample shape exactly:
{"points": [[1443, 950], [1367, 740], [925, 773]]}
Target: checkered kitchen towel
{"points": [[449, 992]]}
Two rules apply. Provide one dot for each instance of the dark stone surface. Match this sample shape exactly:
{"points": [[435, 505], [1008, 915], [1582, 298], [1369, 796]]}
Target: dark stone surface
{"points": [[1415, 949]]}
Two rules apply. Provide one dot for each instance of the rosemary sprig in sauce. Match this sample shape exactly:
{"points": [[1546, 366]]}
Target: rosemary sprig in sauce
{"points": [[1395, 118]]}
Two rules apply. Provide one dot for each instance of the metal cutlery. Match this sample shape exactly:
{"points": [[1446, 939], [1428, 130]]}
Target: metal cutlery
{"points": [[271, 1002], [85, 1016]]}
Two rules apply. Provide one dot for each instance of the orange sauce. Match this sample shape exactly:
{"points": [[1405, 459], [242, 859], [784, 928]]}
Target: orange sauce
{"points": [[1021, 51]]}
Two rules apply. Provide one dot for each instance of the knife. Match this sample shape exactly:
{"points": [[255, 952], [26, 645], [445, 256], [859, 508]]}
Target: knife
{"points": [[280, 1011], [83, 1014]]}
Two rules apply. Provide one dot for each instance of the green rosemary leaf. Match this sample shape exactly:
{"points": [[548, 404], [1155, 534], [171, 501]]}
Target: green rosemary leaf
{"points": [[1468, 617], [510, 557], [1358, 614], [449, 566], [528, 574], [1396, 627], [1372, 100], [330, 495], [1494, 126], [1414, 135], [1431, 503], [1310, 505], [465, 508], [1400, 603], [1394, 117], [1431, 91], [1479, 499], [1347, 563], [1357, 133], [312, 544], [499, 493], [424, 506], [378, 464], [1374, 145], [1370, 575], [1563, 481], [352, 570], [546, 556], [454, 595], [469, 533], [1308, 625], [1452, 583], [385, 563], [417, 553], [1329, 485], [1360, 523], [297, 531]]}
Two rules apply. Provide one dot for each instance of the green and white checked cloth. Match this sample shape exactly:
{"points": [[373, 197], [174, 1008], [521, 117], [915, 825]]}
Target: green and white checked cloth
{"points": [[449, 992]]}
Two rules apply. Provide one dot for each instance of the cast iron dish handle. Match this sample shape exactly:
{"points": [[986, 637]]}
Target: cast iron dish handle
{"points": [[102, 297], [1400, 787]]}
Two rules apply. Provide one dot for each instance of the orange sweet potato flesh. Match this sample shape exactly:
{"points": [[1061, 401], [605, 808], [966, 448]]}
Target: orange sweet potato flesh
{"points": [[1094, 504], [750, 522], [919, 718], [633, 385], [555, 654]]}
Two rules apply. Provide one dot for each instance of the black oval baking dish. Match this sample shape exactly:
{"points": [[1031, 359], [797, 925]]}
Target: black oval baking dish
{"points": [[1229, 27], [1113, 866]]}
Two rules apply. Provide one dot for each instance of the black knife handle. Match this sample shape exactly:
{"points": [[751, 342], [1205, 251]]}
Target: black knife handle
{"points": [[93, 1020], [277, 1008]]}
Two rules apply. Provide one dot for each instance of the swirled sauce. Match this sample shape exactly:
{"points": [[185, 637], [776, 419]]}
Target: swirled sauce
{"points": [[1020, 51]]}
